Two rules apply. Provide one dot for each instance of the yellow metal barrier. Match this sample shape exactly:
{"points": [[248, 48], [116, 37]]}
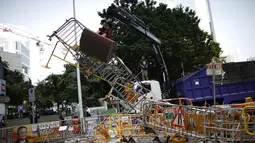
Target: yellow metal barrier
{"points": [[249, 120], [118, 125], [223, 122]]}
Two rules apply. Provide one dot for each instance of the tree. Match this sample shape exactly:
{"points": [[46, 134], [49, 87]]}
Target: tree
{"points": [[90, 86], [43, 99], [251, 59], [16, 85], [63, 87], [177, 28], [221, 59]]}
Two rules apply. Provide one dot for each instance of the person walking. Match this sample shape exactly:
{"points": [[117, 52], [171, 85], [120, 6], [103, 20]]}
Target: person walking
{"points": [[62, 117], [20, 111]]}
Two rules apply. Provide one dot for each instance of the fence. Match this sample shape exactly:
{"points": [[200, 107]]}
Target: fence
{"points": [[57, 131], [223, 123]]}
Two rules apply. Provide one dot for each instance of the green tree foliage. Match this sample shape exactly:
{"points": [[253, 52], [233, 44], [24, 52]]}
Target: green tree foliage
{"points": [[182, 39], [43, 99], [220, 59], [57, 88], [16, 86]]}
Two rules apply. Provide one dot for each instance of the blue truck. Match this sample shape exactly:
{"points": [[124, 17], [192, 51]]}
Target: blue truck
{"points": [[234, 86]]}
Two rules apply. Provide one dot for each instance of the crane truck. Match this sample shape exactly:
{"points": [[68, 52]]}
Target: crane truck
{"points": [[96, 56]]}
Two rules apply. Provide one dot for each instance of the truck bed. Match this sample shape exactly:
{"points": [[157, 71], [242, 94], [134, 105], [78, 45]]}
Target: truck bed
{"points": [[237, 84]]}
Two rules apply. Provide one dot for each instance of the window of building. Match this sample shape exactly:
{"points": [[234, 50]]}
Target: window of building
{"points": [[6, 45], [1, 47], [25, 60], [25, 70], [16, 43], [25, 50]]}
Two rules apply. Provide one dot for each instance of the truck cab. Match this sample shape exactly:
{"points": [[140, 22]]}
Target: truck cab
{"points": [[152, 91]]}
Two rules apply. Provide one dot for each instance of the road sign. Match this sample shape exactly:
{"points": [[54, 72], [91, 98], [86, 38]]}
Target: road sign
{"points": [[4, 99], [3, 87], [31, 94], [215, 68]]}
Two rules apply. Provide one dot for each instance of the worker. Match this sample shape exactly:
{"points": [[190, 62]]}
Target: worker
{"points": [[143, 64]]}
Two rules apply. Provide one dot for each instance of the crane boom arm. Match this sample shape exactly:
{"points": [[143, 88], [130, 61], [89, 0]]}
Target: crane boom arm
{"points": [[128, 19], [22, 33]]}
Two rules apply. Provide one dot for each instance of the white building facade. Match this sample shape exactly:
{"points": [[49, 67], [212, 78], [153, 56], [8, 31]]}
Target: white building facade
{"points": [[11, 45], [14, 60]]}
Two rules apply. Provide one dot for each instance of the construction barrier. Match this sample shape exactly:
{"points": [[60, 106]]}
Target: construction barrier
{"points": [[117, 125], [71, 130], [222, 123]]}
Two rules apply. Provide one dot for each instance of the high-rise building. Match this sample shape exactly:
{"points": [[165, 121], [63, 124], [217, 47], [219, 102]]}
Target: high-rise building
{"points": [[13, 46], [202, 8], [235, 56], [27, 50]]}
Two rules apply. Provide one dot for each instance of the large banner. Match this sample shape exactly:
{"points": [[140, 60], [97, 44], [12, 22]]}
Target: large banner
{"points": [[36, 132]]}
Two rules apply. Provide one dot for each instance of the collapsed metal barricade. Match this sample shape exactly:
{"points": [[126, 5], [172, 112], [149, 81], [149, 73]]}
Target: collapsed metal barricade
{"points": [[220, 123], [187, 122], [195, 123], [115, 126], [73, 33]]}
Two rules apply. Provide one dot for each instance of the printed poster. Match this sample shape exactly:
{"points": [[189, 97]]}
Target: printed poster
{"points": [[36, 132]]}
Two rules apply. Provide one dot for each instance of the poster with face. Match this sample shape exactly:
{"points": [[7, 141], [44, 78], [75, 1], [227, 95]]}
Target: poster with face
{"points": [[36, 132]]}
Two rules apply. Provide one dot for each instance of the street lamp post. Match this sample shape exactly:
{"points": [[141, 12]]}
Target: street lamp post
{"points": [[78, 72]]}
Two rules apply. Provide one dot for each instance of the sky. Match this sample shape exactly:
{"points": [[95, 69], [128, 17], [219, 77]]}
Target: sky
{"points": [[234, 22], [233, 19]]}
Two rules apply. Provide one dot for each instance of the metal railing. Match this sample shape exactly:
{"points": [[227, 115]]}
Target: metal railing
{"points": [[72, 130], [221, 123], [224, 124]]}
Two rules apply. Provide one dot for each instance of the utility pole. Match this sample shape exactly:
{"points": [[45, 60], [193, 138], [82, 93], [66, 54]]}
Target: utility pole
{"points": [[211, 20], [78, 71]]}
